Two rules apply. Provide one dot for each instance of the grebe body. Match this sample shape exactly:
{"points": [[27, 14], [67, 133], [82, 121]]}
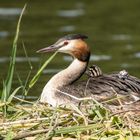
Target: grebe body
{"points": [[64, 88]]}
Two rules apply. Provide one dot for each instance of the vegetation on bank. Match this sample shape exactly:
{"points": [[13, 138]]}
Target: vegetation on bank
{"points": [[90, 120]]}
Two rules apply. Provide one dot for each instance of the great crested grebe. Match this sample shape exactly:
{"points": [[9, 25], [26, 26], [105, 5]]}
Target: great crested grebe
{"points": [[62, 88]]}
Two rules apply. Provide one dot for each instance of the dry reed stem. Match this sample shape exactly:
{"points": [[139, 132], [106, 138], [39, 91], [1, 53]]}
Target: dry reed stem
{"points": [[31, 133]]}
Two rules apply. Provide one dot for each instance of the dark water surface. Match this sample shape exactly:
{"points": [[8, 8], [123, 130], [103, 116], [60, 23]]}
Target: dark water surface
{"points": [[113, 28]]}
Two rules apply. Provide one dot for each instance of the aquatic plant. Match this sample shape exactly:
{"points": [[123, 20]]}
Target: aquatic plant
{"points": [[6, 95], [87, 121]]}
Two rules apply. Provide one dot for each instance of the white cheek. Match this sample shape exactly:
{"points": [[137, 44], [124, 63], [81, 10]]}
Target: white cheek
{"points": [[67, 48]]}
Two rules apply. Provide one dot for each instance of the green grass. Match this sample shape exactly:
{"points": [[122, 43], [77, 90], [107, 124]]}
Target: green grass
{"points": [[89, 120], [7, 83]]}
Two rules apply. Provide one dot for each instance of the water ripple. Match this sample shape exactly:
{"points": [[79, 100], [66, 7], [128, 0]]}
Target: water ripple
{"points": [[19, 59], [92, 58], [3, 34], [27, 97], [68, 28], [51, 71], [125, 65], [121, 37], [137, 55], [100, 57], [71, 13], [10, 11]]}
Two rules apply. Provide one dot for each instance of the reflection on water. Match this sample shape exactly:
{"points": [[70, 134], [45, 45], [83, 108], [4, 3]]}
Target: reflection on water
{"points": [[121, 37], [99, 57], [129, 47], [10, 11], [113, 30], [71, 13], [19, 59], [68, 28], [92, 57], [51, 71], [3, 34], [126, 65], [28, 97], [137, 55]]}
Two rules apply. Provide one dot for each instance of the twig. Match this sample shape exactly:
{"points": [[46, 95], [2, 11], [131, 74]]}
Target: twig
{"points": [[74, 97], [117, 97], [81, 114], [27, 134], [23, 121], [86, 86], [23, 100], [52, 123], [79, 99], [65, 130], [124, 111]]}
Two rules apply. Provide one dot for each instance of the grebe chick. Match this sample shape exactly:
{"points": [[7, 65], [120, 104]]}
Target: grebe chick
{"points": [[94, 71], [63, 88]]}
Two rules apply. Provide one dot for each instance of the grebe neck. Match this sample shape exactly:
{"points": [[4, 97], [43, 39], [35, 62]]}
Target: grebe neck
{"points": [[65, 77]]}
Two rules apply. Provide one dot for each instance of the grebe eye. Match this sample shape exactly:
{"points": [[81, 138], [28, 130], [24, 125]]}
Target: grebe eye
{"points": [[66, 43]]}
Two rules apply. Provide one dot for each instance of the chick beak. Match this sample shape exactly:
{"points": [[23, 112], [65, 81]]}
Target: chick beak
{"points": [[51, 48]]}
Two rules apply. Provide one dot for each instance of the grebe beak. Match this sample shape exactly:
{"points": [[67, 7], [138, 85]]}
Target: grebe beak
{"points": [[51, 48]]}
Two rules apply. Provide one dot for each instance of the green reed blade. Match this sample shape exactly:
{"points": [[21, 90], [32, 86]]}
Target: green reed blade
{"points": [[9, 78], [13, 94], [35, 78]]}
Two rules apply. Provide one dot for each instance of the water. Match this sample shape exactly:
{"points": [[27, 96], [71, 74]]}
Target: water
{"points": [[113, 29]]}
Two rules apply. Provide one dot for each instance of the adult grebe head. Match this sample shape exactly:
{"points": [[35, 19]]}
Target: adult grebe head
{"points": [[72, 44]]}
